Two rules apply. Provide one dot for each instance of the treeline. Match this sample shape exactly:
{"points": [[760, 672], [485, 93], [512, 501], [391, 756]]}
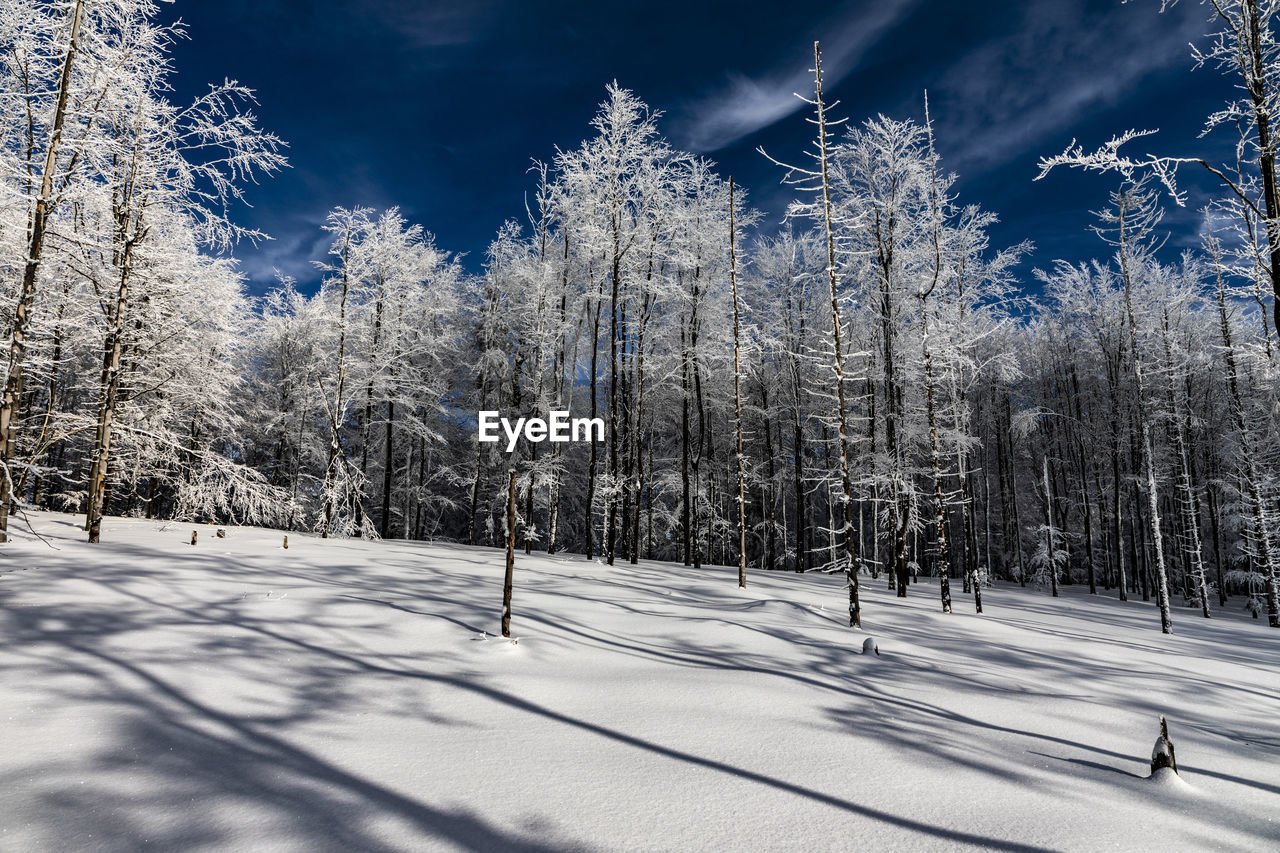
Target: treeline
{"points": [[908, 402]]}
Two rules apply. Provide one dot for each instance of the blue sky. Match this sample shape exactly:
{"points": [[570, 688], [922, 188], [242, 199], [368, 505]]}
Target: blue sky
{"points": [[439, 107]]}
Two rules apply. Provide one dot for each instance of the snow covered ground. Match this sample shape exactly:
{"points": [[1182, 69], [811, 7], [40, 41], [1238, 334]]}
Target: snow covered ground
{"points": [[345, 695]]}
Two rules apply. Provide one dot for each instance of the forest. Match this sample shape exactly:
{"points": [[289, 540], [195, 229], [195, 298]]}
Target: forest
{"points": [[870, 388]]}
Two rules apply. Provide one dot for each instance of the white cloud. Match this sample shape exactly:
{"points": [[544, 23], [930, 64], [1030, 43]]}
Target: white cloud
{"points": [[1013, 93], [291, 252], [744, 105]]}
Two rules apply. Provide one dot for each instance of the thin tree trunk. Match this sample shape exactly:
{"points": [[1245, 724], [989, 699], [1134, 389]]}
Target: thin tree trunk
{"points": [[943, 567], [1262, 529], [1190, 504], [107, 401], [686, 460], [1048, 516], [1013, 494], [611, 496], [388, 459], [769, 511], [335, 416], [1256, 76], [35, 248], [737, 399], [1157, 538], [511, 554], [591, 467], [851, 568]]}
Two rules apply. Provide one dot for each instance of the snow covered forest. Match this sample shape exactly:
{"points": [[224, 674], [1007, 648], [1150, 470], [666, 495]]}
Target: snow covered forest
{"points": [[870, 388]]}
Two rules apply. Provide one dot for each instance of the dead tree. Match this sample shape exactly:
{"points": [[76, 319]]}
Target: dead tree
{"points": [[824, 157]]}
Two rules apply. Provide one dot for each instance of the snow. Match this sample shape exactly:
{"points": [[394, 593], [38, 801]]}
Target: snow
{"points": [[346, 695]]}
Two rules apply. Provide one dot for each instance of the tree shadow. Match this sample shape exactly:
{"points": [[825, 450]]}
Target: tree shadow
{"points": [[199, 750]]}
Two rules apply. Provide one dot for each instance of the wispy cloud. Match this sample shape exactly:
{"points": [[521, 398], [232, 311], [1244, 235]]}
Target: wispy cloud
{"points": [[746, 104], [291, 252], [1012, 94], [437, 24]]}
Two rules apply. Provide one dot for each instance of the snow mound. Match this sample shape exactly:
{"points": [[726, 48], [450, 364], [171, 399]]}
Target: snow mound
{"points": [[1166, 778], [782, 607]]}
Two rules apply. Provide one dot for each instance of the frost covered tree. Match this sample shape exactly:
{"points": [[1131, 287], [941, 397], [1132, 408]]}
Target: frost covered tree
{"points": [[871, 388], [818, 180], [121, 191]]}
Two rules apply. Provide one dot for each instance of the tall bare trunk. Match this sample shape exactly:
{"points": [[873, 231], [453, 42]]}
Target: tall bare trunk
{"points": [[1153, 497], [851, 565]]}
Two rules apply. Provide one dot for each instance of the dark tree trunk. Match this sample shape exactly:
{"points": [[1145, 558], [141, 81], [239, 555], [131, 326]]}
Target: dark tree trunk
{"points": [[511, 553]]}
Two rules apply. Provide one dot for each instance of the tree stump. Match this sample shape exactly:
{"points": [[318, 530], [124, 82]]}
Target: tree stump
{"points": [[511, 555], [286, 543], [1162, 753], [221, 534], [869, 645], [193, 537]]}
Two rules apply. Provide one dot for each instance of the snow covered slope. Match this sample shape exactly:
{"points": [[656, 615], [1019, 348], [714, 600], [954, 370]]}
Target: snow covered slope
{"points": [[347, 695]]}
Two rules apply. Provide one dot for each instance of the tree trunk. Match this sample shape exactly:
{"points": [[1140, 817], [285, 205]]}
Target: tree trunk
{"points": [[851, 567], [1262, 532], [388, 460], [26, 295], [611, 495], [769, 495], [511, 553], [737, 399], [335, 416], [592, 464], [1256, 76], [110, 384]]}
